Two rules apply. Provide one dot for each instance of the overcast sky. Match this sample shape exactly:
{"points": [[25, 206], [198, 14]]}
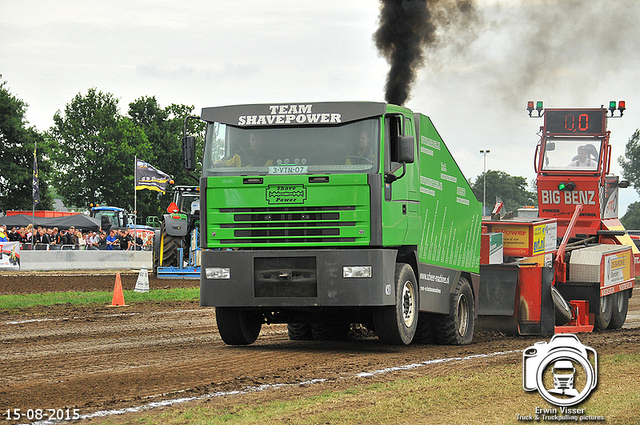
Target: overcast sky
{"points": [[474, 84]]}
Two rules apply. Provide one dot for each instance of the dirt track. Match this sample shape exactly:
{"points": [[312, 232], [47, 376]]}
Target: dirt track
{"points": [[40, 282], [99, 358]]}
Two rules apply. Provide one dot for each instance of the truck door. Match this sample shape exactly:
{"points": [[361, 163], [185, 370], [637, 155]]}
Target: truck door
{"points": [[400, 210]]}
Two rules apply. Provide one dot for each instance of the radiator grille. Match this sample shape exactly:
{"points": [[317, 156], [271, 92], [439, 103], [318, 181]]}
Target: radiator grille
{"points": [[289, 225]]}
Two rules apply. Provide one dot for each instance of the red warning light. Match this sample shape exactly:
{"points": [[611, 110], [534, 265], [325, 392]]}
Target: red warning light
{"points": [[530, 107], [173, 208]]}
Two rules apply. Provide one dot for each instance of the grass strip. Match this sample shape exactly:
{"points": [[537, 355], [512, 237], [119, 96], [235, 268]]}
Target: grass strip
{"points": [[10, 302], [491, 394]]}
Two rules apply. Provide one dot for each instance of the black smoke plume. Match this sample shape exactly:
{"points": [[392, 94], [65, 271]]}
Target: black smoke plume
{"points": [[407, 27]]}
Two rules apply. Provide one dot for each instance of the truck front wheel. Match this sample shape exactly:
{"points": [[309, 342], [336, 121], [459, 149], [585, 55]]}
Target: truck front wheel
{"points": [[238, 326], [396, 324], [456, 328]]}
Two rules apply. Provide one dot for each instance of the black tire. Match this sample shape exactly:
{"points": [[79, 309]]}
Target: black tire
{"points": [[330, 331], [157, 237], [456, 328], [620, 306], [321, 331], [561, 307], [396, 324], [424, 331], [299, 331], [238, 326], [169, 246], [604, 313]]}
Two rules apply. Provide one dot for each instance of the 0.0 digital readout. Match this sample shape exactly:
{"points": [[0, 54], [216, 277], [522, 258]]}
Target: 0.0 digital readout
{"points": [[585, 121]]}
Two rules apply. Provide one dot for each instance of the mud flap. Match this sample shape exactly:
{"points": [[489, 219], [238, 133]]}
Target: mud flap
{"points": [[539, 296], [516, 299], [497, 296]]}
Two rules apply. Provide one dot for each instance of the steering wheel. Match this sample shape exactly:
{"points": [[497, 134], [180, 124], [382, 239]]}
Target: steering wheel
{"points": [[367, 160]]}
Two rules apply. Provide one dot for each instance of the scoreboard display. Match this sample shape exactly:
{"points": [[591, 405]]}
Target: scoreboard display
{"points": [[589, 122]]}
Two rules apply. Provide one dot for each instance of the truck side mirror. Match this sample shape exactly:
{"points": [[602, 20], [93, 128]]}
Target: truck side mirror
{"points": [[405, 155], [406, 149], [189, 153]]}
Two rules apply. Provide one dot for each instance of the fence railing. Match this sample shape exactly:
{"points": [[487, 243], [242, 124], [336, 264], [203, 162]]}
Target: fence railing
{"points": [[50, 247], [41, 260]]}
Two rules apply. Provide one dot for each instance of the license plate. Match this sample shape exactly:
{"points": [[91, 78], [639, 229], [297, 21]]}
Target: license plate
{"points": [[288, 169]]}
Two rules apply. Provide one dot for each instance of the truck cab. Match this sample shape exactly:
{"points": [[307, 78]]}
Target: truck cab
{"points": [[320, 215]]}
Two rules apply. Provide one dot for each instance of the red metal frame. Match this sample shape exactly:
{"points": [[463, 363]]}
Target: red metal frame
{"points": [[582, 321], [559, 263]]}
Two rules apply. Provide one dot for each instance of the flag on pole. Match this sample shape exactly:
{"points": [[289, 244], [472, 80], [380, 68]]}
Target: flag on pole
{"points": [[149, 177], [36, 187]]}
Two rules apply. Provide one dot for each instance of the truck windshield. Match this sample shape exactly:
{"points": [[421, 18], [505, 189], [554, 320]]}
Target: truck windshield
{"points": [[113, 216], [189, 203], [348, 148], [571, 154]]}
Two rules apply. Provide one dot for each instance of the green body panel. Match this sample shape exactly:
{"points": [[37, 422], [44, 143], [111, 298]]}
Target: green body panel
{"points": [[288, 211], [451, 214]]}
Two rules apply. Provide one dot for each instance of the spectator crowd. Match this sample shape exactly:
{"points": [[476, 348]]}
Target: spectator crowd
{"points": [[41, 238]]}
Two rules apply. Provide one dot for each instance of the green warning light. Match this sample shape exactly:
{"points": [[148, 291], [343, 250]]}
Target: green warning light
{"points": [[566, 186]]}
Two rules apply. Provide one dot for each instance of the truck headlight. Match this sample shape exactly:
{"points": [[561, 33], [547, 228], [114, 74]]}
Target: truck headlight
{"points": [[218, 272], [356, 271]]}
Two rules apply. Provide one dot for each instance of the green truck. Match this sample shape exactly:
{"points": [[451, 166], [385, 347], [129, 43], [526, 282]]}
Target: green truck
{"points": [[323, 215]]}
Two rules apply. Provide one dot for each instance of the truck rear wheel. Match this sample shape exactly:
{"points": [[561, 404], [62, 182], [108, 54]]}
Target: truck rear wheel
{"points": [[238, 326], [330, 331], [396, 324], [604, 313], [299, 331], [456, 328], [318, 331], [620, 306]]}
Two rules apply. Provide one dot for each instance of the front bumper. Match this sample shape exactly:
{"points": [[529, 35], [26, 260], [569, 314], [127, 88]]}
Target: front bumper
{"points": [[298, 278]]}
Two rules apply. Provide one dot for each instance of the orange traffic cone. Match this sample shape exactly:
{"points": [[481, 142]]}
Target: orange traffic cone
{"points": [[118, 296]]}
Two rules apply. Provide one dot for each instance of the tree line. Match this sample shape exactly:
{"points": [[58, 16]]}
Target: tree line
{"points": [[87, 156], [630, 164]]}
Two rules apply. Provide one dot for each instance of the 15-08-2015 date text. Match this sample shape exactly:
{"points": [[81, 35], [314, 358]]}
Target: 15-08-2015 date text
{"points": [[41, 414]]}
